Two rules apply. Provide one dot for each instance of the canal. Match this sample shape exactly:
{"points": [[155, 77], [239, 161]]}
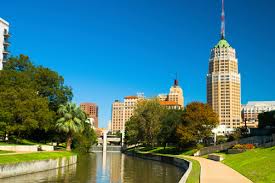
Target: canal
{"points": [[105, 168]]}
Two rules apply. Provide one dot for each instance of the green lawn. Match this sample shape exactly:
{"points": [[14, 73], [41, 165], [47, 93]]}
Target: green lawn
{"points": [[167, 150], [16, 158], [258, 164], [4, 152]]}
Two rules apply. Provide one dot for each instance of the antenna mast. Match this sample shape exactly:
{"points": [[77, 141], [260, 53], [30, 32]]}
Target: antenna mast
{"points": [[223, 22]]}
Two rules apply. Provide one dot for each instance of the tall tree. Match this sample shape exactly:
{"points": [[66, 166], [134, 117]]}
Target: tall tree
{"points": [[168, 127], [197, 123], [48, 83], [21, 109], [71, 122], [146, 121]]}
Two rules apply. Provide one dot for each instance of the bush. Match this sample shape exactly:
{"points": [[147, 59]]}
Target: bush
{"points": [[243, 146]]}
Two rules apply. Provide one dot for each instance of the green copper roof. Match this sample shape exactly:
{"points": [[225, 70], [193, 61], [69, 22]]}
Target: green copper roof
{"points": [[222, 44]]}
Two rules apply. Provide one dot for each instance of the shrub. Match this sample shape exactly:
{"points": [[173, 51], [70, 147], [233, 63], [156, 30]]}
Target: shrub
{"points": [[243, 146]]}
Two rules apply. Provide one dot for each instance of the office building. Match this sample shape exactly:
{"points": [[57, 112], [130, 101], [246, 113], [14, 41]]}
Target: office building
{"points": [[91, 109]]}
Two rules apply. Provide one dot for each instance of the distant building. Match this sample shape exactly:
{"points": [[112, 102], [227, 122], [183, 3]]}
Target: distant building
{"points": [[251, 110], [176, 94], [122, 111], [117, 116], [224, 82], [4, 42], [91, 109]]}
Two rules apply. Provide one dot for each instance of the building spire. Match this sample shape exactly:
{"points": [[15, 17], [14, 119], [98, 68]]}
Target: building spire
{"points": [[223, 22], [176, 81]]}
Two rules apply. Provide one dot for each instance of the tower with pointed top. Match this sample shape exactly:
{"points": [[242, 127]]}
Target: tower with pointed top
{"points": [[224, 81], [176, 94]]}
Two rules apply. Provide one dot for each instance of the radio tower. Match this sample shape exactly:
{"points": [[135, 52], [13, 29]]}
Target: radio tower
{"points": [[223, 22]]}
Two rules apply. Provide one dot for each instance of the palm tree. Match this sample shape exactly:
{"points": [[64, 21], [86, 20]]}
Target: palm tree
{"points": [[71, 122]]}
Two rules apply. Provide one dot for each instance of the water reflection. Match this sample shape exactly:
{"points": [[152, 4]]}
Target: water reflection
{"points": [[105, 168]]}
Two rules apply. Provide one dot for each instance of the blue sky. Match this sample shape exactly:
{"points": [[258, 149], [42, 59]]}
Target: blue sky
{"points": [[109, 49]]}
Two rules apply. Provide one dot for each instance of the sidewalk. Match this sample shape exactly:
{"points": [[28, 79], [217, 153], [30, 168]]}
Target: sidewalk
{"points": [[217, 172]]}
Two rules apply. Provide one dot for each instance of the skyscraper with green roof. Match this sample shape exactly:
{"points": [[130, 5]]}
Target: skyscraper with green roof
{"points": [[224, 82]]}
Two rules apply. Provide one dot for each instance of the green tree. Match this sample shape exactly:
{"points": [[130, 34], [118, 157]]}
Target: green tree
{"points": [[71, 122], [267, 119], [21, 109], [133, 132], [145, 124], [48, 83], [197, 123], [83, 141], [169, 123]]}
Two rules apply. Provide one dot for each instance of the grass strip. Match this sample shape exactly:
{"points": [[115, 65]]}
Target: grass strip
{"points": [[17, 158]]}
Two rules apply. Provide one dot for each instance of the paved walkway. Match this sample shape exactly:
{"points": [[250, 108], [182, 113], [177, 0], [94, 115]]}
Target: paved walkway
{"points": [[217, 172]]}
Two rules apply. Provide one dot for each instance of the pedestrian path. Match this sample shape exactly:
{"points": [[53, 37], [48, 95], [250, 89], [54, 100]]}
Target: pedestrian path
{"points": [[217, 172]]}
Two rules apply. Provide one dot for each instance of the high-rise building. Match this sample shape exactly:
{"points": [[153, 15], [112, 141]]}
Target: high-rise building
{"points": [[224, 82], [4, 41], [91, 109], [251, 110]]}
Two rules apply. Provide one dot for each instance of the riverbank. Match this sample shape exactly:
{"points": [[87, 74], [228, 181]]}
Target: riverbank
{"points": [[13, 164], [257, 164], [190, 166]]}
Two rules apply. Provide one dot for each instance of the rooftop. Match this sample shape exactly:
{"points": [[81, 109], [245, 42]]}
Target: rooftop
{"points": [[260, 103], [222, 44], [168, 103], [131, 97], [4, 21]]}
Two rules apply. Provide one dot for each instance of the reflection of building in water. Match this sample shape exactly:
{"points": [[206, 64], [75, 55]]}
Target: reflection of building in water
{"points": [[115, 166]]}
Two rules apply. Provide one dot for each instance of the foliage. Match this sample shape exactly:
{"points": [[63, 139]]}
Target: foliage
{"points": [[29, 98], [221, 139], [239, 133], [267, 119], [71, 122], [243, 146], [197, 123], [46, 82], [144, 125], [83, 142], [168, 127], [21, 109]]}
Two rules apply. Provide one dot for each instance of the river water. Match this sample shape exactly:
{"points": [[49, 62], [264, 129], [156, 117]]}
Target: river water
{"points": [[105, 168]]}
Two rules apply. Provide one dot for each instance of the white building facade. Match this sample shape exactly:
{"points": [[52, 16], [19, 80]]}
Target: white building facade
{"points": [[4, 41], [251, 110]]}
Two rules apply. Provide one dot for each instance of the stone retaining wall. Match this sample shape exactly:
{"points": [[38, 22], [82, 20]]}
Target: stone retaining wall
{"points": [[259, 141], [10, 170], [26, 148], [181, 163]]}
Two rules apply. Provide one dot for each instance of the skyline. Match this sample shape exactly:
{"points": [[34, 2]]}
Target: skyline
{"points": [[165, 49]]}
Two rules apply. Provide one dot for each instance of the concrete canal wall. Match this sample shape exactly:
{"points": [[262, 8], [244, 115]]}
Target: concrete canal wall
{"points": [[9, 170], [181, 163], [26, 148]]}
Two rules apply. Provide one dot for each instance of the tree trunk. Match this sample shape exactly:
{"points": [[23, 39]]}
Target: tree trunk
{"points": [[69, 143]]}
